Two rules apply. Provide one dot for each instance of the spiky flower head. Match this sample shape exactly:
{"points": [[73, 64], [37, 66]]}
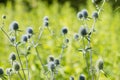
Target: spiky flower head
{"points": [[95, 15], [29, 30], [64, 30], [82, 77], [8, 71], [12, 56], [51, 66], [14, 26], [24, 38], [76, 36], [57, 62], [84, 13], [100, 64], [79, 15], [1, 71], [50, 59], [16, 66], [83, 31]]}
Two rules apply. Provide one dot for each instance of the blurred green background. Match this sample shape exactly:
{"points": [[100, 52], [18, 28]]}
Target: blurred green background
{"points": [[105, 41]]}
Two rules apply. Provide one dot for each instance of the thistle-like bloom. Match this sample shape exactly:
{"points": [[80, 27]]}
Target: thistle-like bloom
{"points": [[29, 30], [24, 38], [57, 62], [79, 15], [46, 18], [8, 71], [12, 56], [64, 30], [14, 26], [50, 59], [100, 64], [1, 71], [82, 77], [95, 15], [83, 31], [76, 36], [51, 66], [84, 13], [16, 66]]}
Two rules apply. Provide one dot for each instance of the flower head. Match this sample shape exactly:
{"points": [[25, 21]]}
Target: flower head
{"points": [[1, 71], [12, 56], [95, 15], [16, 66], [14, 26], [29, 30], [82, 77], [64, 30], [83, 31]]}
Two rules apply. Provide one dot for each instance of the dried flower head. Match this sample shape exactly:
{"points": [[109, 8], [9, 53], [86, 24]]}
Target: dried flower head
{"points": [[16, 66], [95, 15], [12, 56], [1, 71], [14, 26], [83, 31], [82, 77], [64, 30]]}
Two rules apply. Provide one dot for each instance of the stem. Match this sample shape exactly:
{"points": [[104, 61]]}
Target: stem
{"points": [[52, 75], [40, 34], [16, 47], [20, 76], [20, 61], [9, 77], [27, 67], [40, 60], [101, 7]]}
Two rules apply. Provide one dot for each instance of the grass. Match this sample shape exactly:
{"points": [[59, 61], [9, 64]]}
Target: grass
{"points": [[105, 40]]}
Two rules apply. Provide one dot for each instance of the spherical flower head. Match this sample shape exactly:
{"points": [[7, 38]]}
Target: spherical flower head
{"points": [[84, 13], [96, 1], [46, 18], [82, 77], [14, 26], [8, 71], [66, 40], [51, 66], [76, 36], [83, 31], [95, 15], [57, 62], [16, 66], [3, 16], [51, 59], [29, 30], [64, 30], [12, 56], [71, 78], [1, 71], [79, 15], [46, 23], [12, 39], [100, 64], [24, 38]]}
